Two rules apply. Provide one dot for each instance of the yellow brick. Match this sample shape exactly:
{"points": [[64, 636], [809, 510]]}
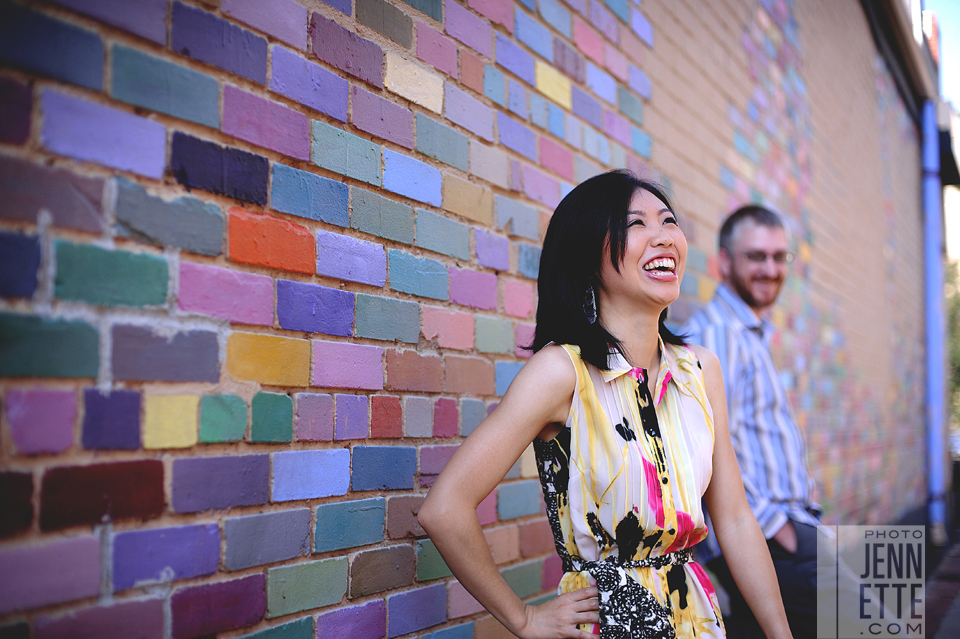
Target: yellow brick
{"points": [[467, 199], [414, 83], [170, 421], [554, 85], [276, 361], [528, 463], [706, 287]]}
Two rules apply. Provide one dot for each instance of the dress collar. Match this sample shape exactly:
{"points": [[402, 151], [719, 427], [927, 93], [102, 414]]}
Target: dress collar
{"points": [[618, 366]]}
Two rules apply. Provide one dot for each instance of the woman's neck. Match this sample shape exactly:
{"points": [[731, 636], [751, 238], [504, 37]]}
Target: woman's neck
{"points": [[638, 333]]}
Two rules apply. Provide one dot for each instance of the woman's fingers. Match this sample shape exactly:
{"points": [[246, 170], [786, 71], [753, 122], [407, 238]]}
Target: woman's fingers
{"points": [[584, 593]]}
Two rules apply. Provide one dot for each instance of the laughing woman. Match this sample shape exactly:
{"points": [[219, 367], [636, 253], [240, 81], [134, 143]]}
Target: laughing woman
{"points": [[629, 427]]}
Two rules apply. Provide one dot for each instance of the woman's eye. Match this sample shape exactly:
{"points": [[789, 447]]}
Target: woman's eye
{"points": [[635, 222], [670, 220]]}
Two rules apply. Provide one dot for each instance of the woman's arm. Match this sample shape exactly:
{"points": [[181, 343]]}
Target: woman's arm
{"points": [[741, 540], [540, 395]]}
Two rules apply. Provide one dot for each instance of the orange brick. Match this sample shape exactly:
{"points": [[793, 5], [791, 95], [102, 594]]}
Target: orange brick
{"points": [[270, 241], [504, 543], [468, 199], [471, 71], [410, 371], [536, 538], [469, 375]]}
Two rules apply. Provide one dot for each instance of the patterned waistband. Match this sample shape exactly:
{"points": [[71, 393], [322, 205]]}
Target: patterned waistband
{"points": [[677, 558]]}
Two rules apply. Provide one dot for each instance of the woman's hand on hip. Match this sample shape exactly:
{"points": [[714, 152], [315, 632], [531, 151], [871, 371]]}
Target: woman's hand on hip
{"points": [[558, 618]]}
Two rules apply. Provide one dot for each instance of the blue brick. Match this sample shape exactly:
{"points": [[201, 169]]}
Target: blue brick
{"points": [[620, 9], [517, 98], [556, 16], [642, 143], [601, 83], [443, 235], [555, 120], [416, 609], [529, 4], [689, 285], [514, 135], [505, 372], [515, 60], [387, 319], [411, 178], [309, 196], [418, 276], [630, 105], [519, 499], [349, 524], [383, 468], [39, 44], [463, 631], [534, 35], [472, 412], [639, 82], [530, 261], [159, 85], [443, 143], [19, 261], [565, 188], [587, 108], [164, 554], [308, 474], [265, 538], [494, 85], [696, 260], [299, 629], [538, 110], [641, 26], [596, 145], [205, 37], [380, 216], [345, 153], [727, 179], [517, 218], [314, 309]]}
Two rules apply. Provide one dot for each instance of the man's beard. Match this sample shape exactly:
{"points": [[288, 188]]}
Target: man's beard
{"points": [[741, 287]]}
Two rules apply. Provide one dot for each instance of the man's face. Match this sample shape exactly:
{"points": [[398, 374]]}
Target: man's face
{"points": [[756, 266]]}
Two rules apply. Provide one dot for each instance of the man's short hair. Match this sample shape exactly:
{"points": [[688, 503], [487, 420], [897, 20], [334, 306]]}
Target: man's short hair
{"points": [[755, 213]]}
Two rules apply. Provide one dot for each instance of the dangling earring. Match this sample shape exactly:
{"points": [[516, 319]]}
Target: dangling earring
{"points": [[590, 305]]}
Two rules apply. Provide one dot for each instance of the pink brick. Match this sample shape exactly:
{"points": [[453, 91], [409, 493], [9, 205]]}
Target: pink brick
{"points": [[434, 458], [244, 298], [552, 572], [446, 419], [49, 573], [283, 19], [461, 603], [588, 41], [42, 421], [469, 29], [504, 543], [436, 49], [487, 509], [616, 62], [342, 365], [265, 123], [132, 619], [557, 158], [617, 127], [518, 298], [470, 288], [499, 11], [540, 187], [451, 329], [382, 118], [523, 337]]}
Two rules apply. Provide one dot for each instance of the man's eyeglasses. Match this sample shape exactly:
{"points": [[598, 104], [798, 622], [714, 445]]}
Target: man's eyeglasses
{"points": [[759, 257]]}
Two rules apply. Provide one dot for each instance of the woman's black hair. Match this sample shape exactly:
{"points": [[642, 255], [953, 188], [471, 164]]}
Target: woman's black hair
{"points": [[589, 217]]}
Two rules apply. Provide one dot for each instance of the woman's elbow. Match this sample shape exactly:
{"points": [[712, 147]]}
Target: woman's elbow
{"points": [[430, 513]]}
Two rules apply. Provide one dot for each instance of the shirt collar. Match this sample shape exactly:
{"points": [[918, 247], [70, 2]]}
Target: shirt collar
{"points": [[742, 312], [618, 366]]}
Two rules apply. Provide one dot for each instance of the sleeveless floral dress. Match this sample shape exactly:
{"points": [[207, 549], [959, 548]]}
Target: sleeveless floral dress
{"points": [[622, 484]]}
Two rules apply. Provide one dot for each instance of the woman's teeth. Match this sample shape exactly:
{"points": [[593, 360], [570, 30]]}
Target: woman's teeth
{"points": [[662, 263]]}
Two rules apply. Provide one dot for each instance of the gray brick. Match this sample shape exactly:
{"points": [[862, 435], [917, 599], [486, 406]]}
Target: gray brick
{"points": [[630, 105], [141, 354], [443, 235], [263, 539], [387, 319], [376, 215], [345, 153], [385, 18], [518, 218], [185, 222], [443, 143], [494, 335]]}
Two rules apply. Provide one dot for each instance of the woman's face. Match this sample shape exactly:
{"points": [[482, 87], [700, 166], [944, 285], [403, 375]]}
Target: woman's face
{"points": [[653, 259]]}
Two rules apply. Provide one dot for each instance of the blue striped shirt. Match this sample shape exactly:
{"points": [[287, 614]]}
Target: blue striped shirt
{"points": [[765, 434]]}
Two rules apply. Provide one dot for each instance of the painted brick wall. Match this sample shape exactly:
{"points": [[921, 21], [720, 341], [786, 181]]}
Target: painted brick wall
{"points": [[263, 264]]}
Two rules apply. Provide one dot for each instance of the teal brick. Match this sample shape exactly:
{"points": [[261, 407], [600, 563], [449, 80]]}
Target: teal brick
{"points": [[642, 143], [223, 418], [620, 8], [163, 86], [463, 631], [418, 276], [349, 524], [504, 374], [472, 412], [443, 143], [529, 261], [346, 154], [517, 218], [689, 285], [538, 111], [309, 196], [305, 586], [387, 319], [630, 105], [696, 260], [525, 579], [91, 274], [32, 346], [430, 565], [494, 85], [519, 499], [299, 629], [494, 335], [271, 418], [377, 215], [433, 8], [443, 235]]}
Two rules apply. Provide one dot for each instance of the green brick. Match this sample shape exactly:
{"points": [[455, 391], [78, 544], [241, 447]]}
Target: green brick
{"points": [[525, 579], [387, 319], [443, 235], [443, 143], [494, 335], [32, 346], [162, 86], [630, 105], [345, 153], [223, 418], [272, 418], [87, 273], [299, 629], [430, 565], [376, 215], [433, 8], [306, 586]]}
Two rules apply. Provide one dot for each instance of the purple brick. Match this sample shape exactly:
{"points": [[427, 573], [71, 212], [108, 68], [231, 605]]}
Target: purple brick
{"points": [[218, 607], [514, 59], [641, 26], [88, 131], [314, 419], [351, 259], [19, 261], [604, 21], [314, 309], [15, 104], [204, 165], [382, 118], [187, 356], [587, 108], [285, 20], [470, 288], [145, 18], [468, 28], [73, 201], [41, 421], [309, 84], [139, 619], [434, 458], [516, 175], [49, 573], [265, 123], [164, 554], [417, 609], [640, 82], [340, 365], [493, 251], [617, 128], [309, 474], [368, 621], [346, 51], [468, 112], [353, 421], [111, 421], [210, 39], [514, 135], [202, 483]]}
